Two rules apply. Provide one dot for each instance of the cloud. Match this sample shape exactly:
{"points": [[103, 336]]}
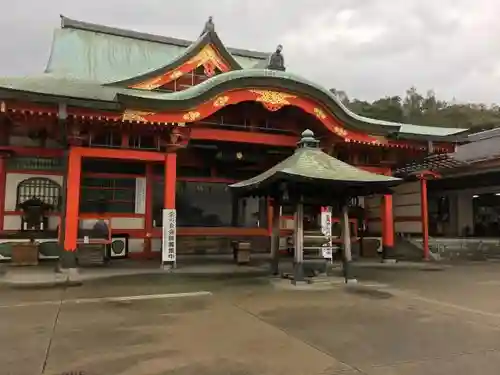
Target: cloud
{"points": [[369, 48], [320, 31]]}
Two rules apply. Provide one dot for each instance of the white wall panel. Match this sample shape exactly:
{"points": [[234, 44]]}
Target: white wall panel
{"points": [[406, 211], [135, 245], [127, 223], [13, 222], [13, 179]]}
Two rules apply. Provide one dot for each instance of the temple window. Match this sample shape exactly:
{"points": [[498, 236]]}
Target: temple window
{"points": [[111, 195], [210, 204], [343, 154], [109, 166], [144, 142], [106, 139], [40, 188], [252, 213], [364, 158]]}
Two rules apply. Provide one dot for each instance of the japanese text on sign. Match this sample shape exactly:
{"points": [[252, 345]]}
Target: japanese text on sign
{"points": [[326, 230], [169, 235]]}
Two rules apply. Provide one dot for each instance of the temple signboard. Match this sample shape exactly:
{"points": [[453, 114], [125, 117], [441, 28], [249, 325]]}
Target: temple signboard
{"points": [[169, 236], [326, 230]]}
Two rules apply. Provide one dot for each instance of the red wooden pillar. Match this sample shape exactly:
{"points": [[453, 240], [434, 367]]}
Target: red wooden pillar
{"points": [[387, 227], [73, 200], [148, 213], [425, 216], [3, 178], [170, 180]]}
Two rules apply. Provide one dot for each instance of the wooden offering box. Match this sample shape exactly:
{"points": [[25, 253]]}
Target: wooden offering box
{"points": [[24, 254]]}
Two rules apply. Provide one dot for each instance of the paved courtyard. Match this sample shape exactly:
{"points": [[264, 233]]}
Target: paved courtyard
{"points": [[402, 321]]}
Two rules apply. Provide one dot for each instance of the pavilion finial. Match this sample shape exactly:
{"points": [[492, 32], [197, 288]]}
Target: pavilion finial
{"points": [[308, 140], [209, 26]]}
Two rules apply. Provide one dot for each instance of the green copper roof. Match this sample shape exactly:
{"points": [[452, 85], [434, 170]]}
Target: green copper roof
{"points": [[310, 164], [92, 52], [61, 87], [207, 38], [105, 58]]}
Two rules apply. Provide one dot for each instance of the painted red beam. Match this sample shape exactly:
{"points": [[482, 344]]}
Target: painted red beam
{"points": [[29, 107], [243, 137], [104, 153]]}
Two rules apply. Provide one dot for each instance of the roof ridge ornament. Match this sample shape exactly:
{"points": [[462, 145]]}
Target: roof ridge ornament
{"points": [[276, 60], [209, 26], [308, 140]]}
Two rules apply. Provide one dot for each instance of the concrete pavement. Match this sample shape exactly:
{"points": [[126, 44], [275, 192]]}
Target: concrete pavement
{"points": [[410, 322]]}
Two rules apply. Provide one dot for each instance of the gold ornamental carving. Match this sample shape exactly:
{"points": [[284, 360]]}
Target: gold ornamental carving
{"points": [[340, 131], [149, 84], [273, 97], [319, 113], [208, 54], [176, 74], [273, 100], [191, 116], [131, 115], [208, 57], [221, 101]]}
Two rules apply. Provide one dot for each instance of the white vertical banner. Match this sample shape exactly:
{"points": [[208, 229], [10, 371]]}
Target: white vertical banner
{"points": [[168, 253], [326, 230], [140, 195]]}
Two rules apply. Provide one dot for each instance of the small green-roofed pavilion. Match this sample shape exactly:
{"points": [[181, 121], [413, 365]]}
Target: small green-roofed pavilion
{"points": [[311, 176]]}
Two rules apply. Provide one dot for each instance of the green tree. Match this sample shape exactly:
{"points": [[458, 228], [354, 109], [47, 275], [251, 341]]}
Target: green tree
{"points": [[415, 108]]}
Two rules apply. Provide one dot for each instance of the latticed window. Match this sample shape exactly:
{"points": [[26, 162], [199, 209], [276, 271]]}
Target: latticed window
{"points": [[45, 189], [114, 195]]}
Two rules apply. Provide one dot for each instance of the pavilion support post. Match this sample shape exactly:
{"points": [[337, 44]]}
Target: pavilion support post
{"points": [[346, 244], [425, 217], [388, 255], [298, 273], [70, 215], [169, 239], [275, 237], [235, 216]]}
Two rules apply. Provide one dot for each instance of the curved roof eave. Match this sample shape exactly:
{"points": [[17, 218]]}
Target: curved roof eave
{"points": [[247, 78], [209, 37]]}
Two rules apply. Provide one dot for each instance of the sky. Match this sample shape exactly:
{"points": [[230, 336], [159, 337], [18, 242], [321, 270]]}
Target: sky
{"points": [[368, 48]]}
